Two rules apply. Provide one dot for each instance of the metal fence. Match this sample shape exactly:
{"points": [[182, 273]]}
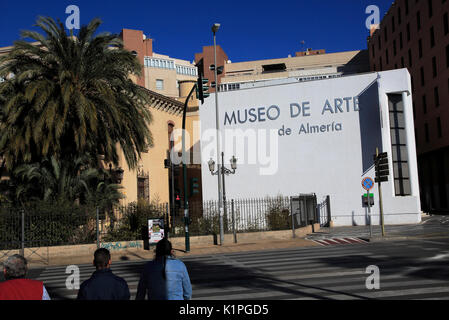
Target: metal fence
{"points": [[249, 215], [54, 226]]}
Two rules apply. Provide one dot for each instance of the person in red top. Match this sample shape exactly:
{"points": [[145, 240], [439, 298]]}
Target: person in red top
{"points": [[16, 287]]}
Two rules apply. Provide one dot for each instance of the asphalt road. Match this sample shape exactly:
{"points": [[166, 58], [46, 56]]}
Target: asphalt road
{"points": [[411, 269]]}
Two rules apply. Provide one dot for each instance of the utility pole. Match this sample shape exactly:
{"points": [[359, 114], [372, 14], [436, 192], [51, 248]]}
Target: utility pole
{"points": [[184, 168]]}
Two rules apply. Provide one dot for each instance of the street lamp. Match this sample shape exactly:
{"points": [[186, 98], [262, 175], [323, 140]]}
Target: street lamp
{"points": [[223, 171], [215, 28]]}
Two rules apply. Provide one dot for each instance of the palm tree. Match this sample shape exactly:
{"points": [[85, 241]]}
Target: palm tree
{"points": [[66, 181], [70, 96]]}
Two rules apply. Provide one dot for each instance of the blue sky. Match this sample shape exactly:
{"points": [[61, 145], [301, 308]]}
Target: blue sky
{"points": [[250, 30]]}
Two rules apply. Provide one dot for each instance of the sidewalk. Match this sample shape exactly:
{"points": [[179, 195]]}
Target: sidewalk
{"points": [[430, 226]]}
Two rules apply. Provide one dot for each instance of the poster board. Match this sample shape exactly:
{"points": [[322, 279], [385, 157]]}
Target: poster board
{"points": [[155, 230]]}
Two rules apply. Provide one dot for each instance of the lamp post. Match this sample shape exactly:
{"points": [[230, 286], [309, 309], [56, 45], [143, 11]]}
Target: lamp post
{"points": [[223, 171], [215, 28]]}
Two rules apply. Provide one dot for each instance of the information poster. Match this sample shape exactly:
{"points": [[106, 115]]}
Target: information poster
{"points": [[155, 230]]}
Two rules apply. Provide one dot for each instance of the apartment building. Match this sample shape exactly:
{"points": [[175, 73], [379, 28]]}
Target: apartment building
{"points": [[415, 35]]}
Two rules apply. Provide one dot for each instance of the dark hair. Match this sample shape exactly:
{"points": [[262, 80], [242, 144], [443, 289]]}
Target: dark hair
{"points": [[101, 258], [163, 249]]}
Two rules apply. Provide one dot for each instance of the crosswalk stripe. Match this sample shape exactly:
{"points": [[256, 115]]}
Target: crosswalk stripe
{"points": [[325, 272]]}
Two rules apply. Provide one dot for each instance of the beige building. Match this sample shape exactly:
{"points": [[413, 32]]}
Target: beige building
{"points": [[305, 66], [169, 80]]}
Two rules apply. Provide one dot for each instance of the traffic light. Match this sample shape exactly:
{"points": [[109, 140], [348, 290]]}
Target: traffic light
{"points": [[202, 86], [202, 89], [381, 167], [219, 69], [177, 201], [167, 163], [194, 186]]}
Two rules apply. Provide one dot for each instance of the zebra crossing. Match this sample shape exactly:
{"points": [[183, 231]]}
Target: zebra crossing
{"points": [[408, 270], [339, 241]]}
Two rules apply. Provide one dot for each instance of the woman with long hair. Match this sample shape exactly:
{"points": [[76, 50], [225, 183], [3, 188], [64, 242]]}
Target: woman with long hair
{"points": [[164, 278]]}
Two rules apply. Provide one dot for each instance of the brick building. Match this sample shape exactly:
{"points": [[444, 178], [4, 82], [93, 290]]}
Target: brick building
{"points": [[415, 35]]}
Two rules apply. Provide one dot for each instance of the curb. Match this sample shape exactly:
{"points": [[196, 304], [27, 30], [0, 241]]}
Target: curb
{"points": [[401, 238]]}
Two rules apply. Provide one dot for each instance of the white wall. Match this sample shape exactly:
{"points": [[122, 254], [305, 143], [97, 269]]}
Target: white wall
{"points": [[332, 162]]}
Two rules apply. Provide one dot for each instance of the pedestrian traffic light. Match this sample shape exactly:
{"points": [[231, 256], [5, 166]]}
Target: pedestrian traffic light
{"points": [[194, 186], [177, 201], [381, 167], [202, 89]]}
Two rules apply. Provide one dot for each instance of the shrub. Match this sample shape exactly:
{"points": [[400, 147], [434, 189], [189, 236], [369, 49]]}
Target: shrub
{"points": [[278, 215]]}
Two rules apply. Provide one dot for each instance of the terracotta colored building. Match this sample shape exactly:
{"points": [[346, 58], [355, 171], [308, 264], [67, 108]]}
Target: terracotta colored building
{"points": [[415, 35]]}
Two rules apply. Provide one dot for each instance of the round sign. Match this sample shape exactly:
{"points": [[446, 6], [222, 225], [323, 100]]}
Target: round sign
{"points": [[367, 183]]}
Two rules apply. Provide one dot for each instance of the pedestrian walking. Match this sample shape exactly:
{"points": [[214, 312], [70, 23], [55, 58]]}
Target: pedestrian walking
{"points": [[16, 286], [103, 284], [164, 278]]}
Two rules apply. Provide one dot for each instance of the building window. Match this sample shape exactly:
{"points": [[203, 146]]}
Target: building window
{"points": [[420, 48], [394, 48], [432, 38], [429, 3], [408, 32], [159, 84], [426, 132], [424, 104], [439, 129], [447, 56], [400, 41], [434, 67], [422, 77], [401, 172], [436, 97], [143, 189], [409, 57], [143, 185]]}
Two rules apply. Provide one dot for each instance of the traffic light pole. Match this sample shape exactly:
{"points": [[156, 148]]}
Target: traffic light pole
{"points": [[184, 168], [380, 201]]}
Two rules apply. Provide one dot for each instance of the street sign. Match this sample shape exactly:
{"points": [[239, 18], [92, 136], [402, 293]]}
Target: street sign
{"points": [[367, 183], [367, 196]]}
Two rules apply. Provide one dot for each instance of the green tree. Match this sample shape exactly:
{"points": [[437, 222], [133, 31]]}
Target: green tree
{"points": [[68, 180], [67, 96]]}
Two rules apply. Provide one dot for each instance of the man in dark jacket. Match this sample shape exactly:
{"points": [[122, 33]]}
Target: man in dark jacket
{"points": [[103, 284]]}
